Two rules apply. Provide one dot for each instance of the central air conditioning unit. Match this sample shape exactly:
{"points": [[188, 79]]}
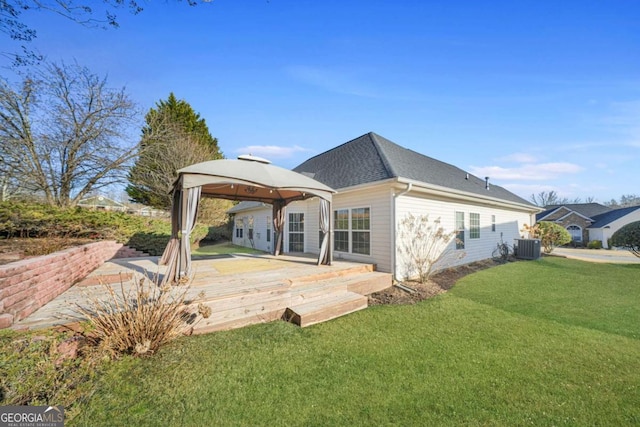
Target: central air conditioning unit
{"points": [[527, 248]]}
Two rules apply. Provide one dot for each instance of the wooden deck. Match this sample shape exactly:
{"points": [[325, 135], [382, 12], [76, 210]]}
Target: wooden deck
{"points": [[240, 289]]}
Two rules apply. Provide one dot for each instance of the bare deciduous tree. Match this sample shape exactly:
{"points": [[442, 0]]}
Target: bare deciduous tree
{"points": [[64, 133], [100, 14], [551, 198], [626, 200]]}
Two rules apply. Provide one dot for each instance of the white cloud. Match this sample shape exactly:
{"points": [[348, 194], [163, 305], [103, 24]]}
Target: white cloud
{"points": [[272, 151], [529, 171]]}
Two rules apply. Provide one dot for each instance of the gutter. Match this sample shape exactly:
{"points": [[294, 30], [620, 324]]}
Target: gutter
{"points": [[394, 197], [472, 197]]}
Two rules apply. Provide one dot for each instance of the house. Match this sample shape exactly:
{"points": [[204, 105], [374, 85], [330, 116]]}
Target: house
{"points": [[100, 202], [379, 183], [104, 203], [590, 221], [249, 216]]}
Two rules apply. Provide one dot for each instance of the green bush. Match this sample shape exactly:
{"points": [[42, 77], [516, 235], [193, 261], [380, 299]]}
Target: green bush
{"points": [[151, 235], [219, 233], [552, 235], [595, 244], [628, 237]]}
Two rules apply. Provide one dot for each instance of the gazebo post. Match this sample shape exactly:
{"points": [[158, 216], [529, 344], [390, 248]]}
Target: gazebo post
{"points": [[278, 225]]}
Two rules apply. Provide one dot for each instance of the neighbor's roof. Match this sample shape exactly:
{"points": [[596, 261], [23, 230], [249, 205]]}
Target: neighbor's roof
{"points": [[608, 217], [370, 158], [246, 206], [585, 209], [99, 200]]}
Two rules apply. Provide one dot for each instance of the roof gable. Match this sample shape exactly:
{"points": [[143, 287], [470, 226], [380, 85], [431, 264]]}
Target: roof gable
{"points": [[548, 212], [371, 157], [588, 210]]}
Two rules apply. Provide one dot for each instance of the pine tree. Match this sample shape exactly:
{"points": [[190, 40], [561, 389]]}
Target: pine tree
{"points": [[173, 137]]}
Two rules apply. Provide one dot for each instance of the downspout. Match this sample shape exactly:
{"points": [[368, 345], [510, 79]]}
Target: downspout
{"points": [[394, 197]]}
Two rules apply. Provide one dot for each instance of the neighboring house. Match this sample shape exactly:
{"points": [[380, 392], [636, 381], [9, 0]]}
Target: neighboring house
{"points": [[608, 223], [590, 221], [100, 202], [252, 226], [379, 183]]}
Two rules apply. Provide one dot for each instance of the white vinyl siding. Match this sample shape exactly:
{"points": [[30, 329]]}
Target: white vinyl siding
{"points": [[378, 201], [508, 224]]}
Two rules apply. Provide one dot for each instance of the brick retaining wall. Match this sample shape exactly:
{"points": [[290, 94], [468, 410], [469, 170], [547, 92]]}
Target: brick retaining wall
{"points": [[27, 285]]}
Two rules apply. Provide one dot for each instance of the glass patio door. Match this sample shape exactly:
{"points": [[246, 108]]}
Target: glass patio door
{"points": [[296, 232]]}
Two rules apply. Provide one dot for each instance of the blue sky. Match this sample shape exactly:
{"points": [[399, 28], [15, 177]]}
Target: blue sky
{"points": [[537, 95]]}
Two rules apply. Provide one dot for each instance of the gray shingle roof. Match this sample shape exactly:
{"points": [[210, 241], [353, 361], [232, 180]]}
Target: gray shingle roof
{"points": [[544, 213], [608, 217], [370, 158], [586, 209]]}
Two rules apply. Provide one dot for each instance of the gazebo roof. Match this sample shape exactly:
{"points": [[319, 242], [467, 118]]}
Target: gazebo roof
{"points": [[249, 178]]}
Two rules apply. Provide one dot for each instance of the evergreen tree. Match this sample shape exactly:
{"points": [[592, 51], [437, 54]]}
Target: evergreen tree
{"points": [[173, 137]]}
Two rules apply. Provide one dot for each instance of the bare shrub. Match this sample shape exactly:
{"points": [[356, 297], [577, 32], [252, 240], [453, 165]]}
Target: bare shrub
{"points": [[141, 318], [423, 244]]}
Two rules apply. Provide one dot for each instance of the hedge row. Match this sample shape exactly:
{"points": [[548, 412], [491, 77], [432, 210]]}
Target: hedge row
{"points": [[20, 219]]}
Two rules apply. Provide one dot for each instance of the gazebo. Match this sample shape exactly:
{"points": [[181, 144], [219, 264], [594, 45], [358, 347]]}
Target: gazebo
{"points": [[247, 178]]}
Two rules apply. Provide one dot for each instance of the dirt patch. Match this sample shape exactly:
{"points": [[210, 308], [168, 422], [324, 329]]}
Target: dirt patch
{"points": [[12, 250], [437, 284]]}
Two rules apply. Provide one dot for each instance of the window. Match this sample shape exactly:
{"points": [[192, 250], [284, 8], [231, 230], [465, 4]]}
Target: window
{"points": [[493, 223], [341, 230], [459, 230], [268, 229], [352, 231], [239, 228], [576, 233], [474, 225], [360, 231], [296, 232]]}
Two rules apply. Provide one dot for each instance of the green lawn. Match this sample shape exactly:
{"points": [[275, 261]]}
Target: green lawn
{"points": [[224, 249], [550, 342]]}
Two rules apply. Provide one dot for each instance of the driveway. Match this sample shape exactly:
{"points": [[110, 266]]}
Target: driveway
{"points": [[598, 255]]}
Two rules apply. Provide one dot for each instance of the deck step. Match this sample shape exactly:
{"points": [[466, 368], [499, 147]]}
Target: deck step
{"points": [[325, 308], [368, 283]]}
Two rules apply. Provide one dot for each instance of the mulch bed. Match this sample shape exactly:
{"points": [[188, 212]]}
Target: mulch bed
{"points": [[437, 284]]}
